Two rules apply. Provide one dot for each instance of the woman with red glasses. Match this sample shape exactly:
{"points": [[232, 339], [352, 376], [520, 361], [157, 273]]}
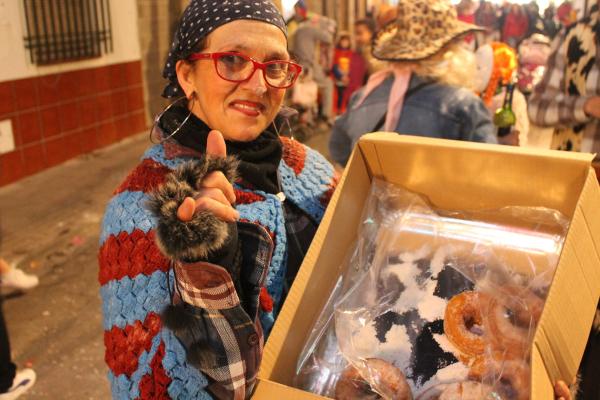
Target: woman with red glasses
{"points": [[203, 239]]}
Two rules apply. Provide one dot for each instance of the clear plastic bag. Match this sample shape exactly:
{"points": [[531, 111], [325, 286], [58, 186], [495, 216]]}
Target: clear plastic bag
{"points": [[444, 303]]}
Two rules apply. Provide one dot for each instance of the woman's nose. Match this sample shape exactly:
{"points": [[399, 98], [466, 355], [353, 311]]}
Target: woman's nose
{"points": [[257, 82]]}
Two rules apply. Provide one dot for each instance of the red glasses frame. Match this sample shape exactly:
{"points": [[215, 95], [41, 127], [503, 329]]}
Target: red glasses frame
{"points": [[257, 65]]}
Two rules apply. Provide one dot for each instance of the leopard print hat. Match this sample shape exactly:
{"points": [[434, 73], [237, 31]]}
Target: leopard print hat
{"points": [[421, 29]]}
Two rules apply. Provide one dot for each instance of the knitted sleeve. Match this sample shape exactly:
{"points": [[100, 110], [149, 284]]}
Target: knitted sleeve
{"points": [[144, 360]]}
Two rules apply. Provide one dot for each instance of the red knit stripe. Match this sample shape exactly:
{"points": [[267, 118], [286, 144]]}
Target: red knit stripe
{"points": [[145, 177], [326, 197], [130, 255], [124, 346], [155, 384], [266, 301], [242, 197], [294, 154]]}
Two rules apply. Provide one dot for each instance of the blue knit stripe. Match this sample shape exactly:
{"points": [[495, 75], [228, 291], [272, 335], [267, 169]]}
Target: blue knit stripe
{"points": [[124, 213], [157, 153], [306, 189], [128, 300], [186, 381], [129, 388]]}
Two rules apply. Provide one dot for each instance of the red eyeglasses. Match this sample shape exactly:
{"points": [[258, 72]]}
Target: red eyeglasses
{"points": [[236, 67]]}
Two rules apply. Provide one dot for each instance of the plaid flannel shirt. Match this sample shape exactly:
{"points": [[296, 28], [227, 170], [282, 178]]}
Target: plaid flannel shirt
{"points": [[231, 324], [555, 102]]}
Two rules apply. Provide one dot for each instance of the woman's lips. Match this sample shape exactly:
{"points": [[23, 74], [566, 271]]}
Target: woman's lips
{"points": [[248, 108]]}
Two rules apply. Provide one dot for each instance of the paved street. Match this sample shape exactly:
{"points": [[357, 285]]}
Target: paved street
{"points": [[50, 226]]}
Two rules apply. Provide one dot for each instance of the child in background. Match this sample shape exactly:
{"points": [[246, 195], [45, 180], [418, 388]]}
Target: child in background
{"points": [[341, 70]]}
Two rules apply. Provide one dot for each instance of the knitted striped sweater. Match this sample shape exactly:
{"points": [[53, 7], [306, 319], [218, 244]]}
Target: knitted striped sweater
{"points": [[146, 361]]}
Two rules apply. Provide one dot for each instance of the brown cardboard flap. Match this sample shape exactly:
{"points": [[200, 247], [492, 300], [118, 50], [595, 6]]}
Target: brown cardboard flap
{"points": [[541, 386], [317, 275], [268, 390], [574, 292], [459, 175]]}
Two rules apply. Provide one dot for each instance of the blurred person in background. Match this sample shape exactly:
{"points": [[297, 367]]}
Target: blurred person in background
{"points": [[566, 14], [13, 382], [362, 63], [300, 15], [419, 93], [465, 11], [313, 38], [341, 69], [486, 16], [202, 241], [550, 25], [567, 97], [516, 25], [535, 22]]}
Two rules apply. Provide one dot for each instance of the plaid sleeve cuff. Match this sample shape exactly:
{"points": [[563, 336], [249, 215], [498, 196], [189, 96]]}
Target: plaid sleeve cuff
{"points": [[206, 285], [579, 113]]}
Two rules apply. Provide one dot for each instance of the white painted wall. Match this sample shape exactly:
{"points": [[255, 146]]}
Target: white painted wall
{"points": [[15, 60]]}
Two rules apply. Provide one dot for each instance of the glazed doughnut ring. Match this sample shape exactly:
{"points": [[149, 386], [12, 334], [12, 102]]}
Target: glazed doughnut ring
{"points": [[510, 378], [386, 378], [352, 386], [511, 320], [463, 323]]}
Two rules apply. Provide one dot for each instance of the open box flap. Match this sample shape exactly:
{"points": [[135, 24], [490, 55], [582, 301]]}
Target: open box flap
{"points": [[453, 174], [269, 390], [573, 295]]}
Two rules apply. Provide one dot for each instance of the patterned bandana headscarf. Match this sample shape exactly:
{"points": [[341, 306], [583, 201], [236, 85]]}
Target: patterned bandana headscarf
{"points": [[201, 17]]}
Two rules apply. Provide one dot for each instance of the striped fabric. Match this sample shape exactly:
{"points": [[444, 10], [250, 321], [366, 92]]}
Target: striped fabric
{"points": [[145, 360], [572, 76]]}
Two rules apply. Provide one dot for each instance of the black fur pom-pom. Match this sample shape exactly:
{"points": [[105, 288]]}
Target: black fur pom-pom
{"points": [[205, 233], [192, 334]]}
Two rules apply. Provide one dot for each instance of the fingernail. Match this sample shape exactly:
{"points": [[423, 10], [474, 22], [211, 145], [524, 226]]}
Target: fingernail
{"points": [[237, 215]]}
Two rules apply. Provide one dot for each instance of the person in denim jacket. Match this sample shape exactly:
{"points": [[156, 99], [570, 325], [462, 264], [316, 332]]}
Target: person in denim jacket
{"points": [[424, 91], [203, 239]]}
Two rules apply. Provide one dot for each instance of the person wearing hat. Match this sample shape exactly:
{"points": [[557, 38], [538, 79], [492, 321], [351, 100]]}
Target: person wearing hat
{"points": [[419, 92], [202, 240]]}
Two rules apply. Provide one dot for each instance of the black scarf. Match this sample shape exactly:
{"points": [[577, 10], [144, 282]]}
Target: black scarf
{"points": [[259, 159]]}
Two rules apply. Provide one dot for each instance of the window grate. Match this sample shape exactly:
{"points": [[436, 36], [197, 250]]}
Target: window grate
{"points": [[67, 30]]}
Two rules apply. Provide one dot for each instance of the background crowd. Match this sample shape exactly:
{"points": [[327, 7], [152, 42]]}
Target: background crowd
{"points": [[338, 63]]}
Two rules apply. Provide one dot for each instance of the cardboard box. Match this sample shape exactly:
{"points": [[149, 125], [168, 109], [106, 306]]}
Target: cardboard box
{"points": [[462, 176]]}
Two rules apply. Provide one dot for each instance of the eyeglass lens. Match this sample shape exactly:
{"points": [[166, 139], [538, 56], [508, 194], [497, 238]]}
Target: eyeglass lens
{"points": [[239, 68]]}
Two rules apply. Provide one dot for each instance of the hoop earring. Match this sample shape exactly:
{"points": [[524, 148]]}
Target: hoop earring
{"points": [[159, 116], [286, 113]]}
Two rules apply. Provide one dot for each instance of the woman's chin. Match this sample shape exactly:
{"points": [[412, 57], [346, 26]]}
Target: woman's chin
{"points": [[243, 135]]}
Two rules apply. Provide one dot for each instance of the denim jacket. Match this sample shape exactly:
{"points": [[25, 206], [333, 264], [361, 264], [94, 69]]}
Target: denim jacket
{"points": [[432, 109]]}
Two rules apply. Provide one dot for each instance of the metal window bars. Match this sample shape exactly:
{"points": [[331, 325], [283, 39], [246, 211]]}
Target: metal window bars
{"points": [[67, 30]]}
